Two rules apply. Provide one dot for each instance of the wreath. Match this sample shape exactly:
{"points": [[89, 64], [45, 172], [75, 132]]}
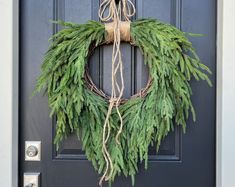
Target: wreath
{"points": [[147, 117]]}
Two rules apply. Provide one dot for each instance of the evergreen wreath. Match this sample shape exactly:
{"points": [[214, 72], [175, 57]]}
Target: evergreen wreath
{"points": [[148, 117]]}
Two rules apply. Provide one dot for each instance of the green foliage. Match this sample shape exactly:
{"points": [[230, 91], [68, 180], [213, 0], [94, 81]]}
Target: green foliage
{"points": [[172, 63]]}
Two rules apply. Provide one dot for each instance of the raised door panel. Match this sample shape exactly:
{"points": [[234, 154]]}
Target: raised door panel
{"points": [[135, 72]]}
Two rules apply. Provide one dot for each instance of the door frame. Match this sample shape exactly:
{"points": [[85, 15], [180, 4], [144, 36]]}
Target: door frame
{"points": [[9, 81]]}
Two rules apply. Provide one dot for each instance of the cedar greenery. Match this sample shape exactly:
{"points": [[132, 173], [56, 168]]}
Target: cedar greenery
{"points": [[172, 63]]}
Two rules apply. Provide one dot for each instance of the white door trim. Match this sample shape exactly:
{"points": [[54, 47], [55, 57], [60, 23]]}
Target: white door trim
{"points": [[9, 60], [226, 94], [9, 19], [219, 93]]}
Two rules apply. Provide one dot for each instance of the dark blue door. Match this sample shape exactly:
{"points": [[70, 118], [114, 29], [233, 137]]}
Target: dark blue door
{"points": [[183, 161]]}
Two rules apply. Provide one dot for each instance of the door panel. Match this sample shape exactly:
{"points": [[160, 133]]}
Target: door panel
{"points": [[183, 160]]}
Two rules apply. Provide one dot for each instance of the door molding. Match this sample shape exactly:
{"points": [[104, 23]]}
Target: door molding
{"points": [[9, 80], [225, 137]]}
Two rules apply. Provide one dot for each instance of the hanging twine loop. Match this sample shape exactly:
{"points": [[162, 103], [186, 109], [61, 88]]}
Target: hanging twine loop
{"points": [[128, 10], [117, 31]]}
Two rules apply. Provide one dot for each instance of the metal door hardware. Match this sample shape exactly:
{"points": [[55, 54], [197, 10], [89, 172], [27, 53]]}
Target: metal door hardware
{"points": [[29, 185], [31, 179], [33, 150]]}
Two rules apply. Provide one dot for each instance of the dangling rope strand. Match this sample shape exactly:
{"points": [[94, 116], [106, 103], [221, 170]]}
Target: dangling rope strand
{"points": [[120, 67], [114, 14]]}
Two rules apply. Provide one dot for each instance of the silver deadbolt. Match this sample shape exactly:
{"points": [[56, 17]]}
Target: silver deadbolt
{"points": [[32, 150]]}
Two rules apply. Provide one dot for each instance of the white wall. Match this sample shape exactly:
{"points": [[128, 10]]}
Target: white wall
{"points": [[226, 87], [8, 95]]}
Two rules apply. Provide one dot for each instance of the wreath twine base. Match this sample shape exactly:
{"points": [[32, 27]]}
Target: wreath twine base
{"points": [[125, 36], [148, 116], [125, 33]]}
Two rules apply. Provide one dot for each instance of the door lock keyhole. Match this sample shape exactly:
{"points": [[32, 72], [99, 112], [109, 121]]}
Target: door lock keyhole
{"points": [[32, 151]]}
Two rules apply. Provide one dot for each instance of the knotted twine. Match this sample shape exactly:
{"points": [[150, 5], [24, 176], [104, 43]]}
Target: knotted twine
{"points": [[117, 31]]}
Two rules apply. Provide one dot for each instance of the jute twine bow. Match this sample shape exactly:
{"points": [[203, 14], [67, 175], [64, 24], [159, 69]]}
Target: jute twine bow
{"points": [[117, 31]]}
